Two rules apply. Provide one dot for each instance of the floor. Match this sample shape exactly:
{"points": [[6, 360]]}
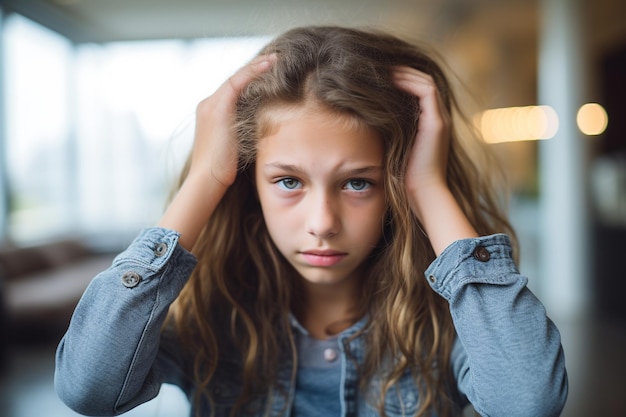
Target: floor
{"points": [[26, 390], [594, 350], [595, 353]]}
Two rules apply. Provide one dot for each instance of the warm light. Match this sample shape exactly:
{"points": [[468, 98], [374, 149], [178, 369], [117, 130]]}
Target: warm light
{"points": [[592, 119], [512, 124]]}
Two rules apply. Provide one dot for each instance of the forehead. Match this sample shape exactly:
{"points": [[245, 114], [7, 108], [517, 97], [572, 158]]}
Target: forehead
{"points": [[317, 139], [272, 116]]}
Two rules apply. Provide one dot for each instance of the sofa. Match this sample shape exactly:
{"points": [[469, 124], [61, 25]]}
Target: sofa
{"points": [[40, 286]]}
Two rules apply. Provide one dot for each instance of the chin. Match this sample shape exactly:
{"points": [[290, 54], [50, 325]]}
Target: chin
{"points": [[322, 281], [322, 277]]}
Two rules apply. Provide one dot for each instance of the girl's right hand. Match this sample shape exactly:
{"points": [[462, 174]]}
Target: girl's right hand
{"points": [[214, 156]]}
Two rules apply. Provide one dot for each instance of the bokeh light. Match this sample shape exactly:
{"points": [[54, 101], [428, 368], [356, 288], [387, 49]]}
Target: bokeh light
{"points": [[592, 119], [512, 124]]}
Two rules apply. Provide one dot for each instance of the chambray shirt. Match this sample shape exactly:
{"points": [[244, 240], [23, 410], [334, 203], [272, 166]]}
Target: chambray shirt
{"points": [[507, 358]]}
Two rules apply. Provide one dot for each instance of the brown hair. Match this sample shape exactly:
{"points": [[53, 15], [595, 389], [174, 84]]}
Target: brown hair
{"points": [[240, 293]]}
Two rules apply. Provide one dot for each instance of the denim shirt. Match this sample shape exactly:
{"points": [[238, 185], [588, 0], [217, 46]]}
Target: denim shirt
{"points": [[507, 359]]}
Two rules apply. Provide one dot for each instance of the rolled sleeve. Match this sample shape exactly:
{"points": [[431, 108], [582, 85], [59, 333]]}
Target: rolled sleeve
{"points": [[105, 361], [508, 358], [486, 260]]}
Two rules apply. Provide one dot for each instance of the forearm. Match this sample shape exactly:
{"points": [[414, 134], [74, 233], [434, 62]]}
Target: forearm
{"points": [[214, 156], [509, 360], [192, 207], [441, 216], [105, 361]]}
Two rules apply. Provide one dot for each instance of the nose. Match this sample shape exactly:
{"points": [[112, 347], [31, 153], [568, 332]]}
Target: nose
{"points": [[323, 220]]}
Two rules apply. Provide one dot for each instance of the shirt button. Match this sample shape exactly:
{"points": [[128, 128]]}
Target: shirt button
{"points": [[131, 279], [330, 354], [482, 254], [432, 279], [160, 249]]}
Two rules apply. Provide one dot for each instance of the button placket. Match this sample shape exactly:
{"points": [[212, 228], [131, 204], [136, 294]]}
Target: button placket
{"points": [[410, 400], [330, 354]]}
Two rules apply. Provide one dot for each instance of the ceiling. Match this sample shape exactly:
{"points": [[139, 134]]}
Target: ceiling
{"points": [[111, 20], [491, 44]]}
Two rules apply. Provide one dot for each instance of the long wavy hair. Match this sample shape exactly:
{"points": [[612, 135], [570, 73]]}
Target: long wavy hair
{"points": [[240, 295]]}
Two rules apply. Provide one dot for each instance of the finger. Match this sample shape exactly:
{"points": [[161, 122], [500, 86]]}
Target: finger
{"points": [[410, 72], [414, 82], [225, 96], [248, 72], [422, 86]]}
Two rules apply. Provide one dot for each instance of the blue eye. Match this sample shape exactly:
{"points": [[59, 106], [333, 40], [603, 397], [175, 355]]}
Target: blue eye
{"points": [[358, 185], [289, 183]]}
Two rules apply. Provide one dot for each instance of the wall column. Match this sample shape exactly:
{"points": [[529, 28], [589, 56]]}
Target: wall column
{"points": [[565, 249], [4, 181]]}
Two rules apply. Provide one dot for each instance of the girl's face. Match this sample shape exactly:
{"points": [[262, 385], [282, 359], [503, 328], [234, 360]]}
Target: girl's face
{"points": [[319, 178]]}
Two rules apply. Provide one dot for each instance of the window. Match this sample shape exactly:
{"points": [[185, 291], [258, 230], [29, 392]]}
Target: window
{"points": [[97, 132], [37, 67]]}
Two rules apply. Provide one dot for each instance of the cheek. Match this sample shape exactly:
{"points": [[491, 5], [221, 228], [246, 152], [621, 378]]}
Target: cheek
{"points": [[278, 220], [368, 223]]}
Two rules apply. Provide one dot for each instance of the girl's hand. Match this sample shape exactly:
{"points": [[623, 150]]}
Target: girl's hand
{"points": [[214, 156], [428, 160], [426, 182], [215, 149]]}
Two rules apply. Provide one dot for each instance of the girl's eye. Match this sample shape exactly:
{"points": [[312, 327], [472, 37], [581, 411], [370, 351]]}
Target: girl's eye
{"points": [[358, 185], [289, 183]]}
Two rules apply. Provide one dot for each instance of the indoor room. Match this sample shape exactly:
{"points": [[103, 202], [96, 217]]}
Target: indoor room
{"points": [[98, 106]]}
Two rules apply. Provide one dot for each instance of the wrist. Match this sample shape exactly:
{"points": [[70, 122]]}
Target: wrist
{"points": [[192, 207], [441, 216], [426, 197]]}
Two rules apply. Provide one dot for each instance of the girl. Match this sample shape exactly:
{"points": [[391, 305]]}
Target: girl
{"points": [[346, 257]]}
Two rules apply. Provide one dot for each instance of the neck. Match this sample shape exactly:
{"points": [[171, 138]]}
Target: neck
{"points": [[329, 309]]}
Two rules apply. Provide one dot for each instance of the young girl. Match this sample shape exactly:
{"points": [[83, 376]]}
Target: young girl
{"points": [[331, 250]]}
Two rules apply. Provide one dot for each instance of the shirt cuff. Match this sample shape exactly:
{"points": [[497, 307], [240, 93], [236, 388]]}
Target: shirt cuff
{"points": [[486, 260]]}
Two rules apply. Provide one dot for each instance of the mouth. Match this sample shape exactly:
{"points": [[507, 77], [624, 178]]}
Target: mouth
{"points": [[323, 257]]}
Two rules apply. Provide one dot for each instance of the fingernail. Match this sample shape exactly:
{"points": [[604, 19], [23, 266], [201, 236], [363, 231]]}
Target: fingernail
{"points": [[266, 62]]}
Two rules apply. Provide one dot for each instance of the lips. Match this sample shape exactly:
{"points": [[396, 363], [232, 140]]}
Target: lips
{"points": [[323, 257]]}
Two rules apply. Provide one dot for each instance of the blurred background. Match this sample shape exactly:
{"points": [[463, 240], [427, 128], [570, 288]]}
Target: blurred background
{"points": [[96, 112]]}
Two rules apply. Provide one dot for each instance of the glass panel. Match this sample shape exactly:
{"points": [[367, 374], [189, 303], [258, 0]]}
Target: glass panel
{"points": [[136, 104], [97, 132], [37, 65]]}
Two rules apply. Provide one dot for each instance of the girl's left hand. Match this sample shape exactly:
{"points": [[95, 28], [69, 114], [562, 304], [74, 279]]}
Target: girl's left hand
{"points": [[426, 183], [428, 161]]}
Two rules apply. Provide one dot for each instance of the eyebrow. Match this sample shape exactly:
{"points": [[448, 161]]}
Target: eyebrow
{"points": [[352, 171]]}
